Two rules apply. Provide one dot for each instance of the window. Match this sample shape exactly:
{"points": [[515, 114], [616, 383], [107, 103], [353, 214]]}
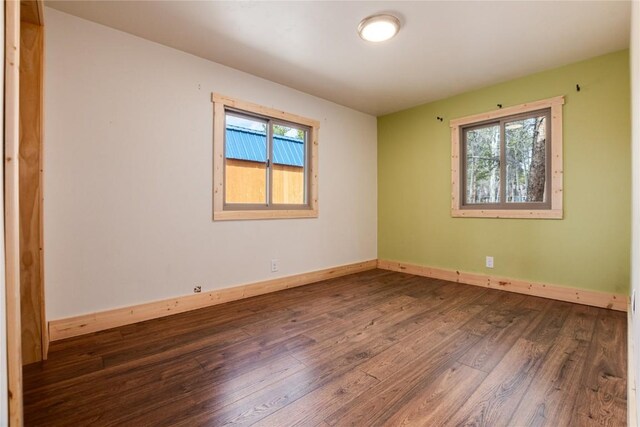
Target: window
{"points": [[508, 163], [265, 162]]}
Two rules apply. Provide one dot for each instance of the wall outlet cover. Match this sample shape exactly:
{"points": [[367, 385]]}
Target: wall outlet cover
{"points": [[489, 262]]}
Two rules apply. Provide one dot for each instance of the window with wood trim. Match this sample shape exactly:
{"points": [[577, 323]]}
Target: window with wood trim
{"points": [[265, 162], [508, 163]]}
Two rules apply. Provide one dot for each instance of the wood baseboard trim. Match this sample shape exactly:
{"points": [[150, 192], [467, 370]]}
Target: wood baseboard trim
{"points": [[632, 408], [79, 325], [562, 293]]}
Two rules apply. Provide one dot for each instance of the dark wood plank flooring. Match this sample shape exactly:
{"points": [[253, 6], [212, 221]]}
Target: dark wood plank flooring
{"points": [[375, 348]]}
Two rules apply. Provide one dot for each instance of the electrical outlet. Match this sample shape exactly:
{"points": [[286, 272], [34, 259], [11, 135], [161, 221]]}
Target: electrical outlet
{"points": [[275, 265], [197, 289], [489, 262]]}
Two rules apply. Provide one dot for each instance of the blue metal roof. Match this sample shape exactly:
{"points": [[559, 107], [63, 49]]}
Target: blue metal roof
{"points": [[251, 145]]}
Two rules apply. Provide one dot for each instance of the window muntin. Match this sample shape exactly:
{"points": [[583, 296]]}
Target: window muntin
{"points": [[513, 188], [506, 162], [265, 162]]}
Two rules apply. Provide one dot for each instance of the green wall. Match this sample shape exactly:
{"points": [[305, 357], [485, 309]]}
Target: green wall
{"points": [[587, 249]]}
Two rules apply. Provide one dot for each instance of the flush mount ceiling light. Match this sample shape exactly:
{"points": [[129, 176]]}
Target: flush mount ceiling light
{"points": [[378, 28]]}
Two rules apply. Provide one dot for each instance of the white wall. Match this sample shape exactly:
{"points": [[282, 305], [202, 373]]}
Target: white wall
{"points": [[635, 147], [128, 176]]}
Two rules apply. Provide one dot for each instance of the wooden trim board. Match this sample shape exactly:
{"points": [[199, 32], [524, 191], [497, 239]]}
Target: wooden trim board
{"points": [[43, 315], [508, 111], [32, 11], [94, 322], [632, 408], [30, 187], [11, 208], [507, 213], [265, 111], [562, 293], [266, 214]]}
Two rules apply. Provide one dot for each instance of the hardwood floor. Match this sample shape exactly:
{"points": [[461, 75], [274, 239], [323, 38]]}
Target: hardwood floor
{"points": [[374, 348]]}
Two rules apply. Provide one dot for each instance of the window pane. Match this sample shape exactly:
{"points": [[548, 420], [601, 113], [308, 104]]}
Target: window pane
{"points": [[526, 159], [245, 160], [482, 163], [289, 165]]}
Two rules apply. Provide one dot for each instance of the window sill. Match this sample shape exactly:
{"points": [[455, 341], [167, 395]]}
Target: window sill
{"points": [[500, 213], [264, 214]]}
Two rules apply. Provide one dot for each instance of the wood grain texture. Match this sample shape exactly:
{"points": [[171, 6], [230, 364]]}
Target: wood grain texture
{"points": [[12, 209], [495, 400], [632, 408], [505, 213], [432, 403], [245, 182], [508, 111], [373, 348], [603, 392], [552, 392], [562, 293], [79, 325], [262, 110], [32, 11], [505, 328], [30, 166]]}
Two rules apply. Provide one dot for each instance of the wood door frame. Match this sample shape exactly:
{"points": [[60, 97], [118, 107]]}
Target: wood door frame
{"points": [[31, 11], [34, 326], [11, 210]]}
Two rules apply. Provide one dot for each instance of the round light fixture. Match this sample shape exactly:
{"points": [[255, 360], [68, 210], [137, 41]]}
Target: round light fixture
{"points": [[378, 28]]}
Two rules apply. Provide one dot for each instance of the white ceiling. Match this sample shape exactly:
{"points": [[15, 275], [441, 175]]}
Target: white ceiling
{"points": [[444, 47]]}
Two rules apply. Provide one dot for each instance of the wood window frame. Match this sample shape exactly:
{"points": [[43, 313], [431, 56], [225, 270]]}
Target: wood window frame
{"points": [[223, 211], [554, 209]]}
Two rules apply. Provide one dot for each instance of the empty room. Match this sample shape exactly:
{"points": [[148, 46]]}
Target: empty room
{"points": [[320, 213]]}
